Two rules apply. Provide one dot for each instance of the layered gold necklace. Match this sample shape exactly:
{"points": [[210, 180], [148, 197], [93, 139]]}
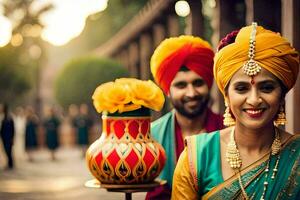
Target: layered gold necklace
{"points": [[234, 159]]}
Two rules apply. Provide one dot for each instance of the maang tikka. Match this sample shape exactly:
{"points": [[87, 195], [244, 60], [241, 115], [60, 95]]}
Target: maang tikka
{"points": [[251, 67]]}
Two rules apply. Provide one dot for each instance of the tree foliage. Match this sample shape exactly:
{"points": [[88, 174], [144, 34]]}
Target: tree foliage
{"points": [[18, 66], [79, 78], [24, 9], [14, 82]]}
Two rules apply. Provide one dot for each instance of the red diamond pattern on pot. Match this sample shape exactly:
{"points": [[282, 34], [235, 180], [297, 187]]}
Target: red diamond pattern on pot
{"points": [[119, 127], [99, 158], [162, 158], [113, 158], [148, 158], [132, 159], [145, 127], [108, 123], [133, 128]]}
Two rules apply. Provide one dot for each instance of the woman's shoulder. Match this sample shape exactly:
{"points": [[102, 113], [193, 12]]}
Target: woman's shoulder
{"points": [[291, 140], [205, 137], [290, 144], [203, 140]]}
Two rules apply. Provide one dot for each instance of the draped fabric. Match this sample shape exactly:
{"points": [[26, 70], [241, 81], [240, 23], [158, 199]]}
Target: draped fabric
{"points": [[272, 52], [163, 131], [198, 173], [174, 53]]}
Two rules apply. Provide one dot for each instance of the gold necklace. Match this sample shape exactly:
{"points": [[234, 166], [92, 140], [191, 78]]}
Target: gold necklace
{"points": [[233, 157]]}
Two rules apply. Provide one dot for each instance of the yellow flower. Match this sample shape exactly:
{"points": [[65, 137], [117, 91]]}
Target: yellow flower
{"points": [[147, 94], [127, 94]]}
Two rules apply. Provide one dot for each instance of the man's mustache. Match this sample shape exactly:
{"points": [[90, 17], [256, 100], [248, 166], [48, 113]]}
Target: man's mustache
{"points": [[195, 98]]}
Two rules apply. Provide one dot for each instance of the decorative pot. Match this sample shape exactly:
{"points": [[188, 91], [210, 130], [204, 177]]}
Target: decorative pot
{"points": [[126, 153]]}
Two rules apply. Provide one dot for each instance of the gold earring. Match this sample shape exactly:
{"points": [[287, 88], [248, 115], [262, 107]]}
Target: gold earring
{"points": [[281, 119], [228, 120]]}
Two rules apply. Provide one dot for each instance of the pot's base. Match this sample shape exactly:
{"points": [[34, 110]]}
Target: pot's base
{"points": [[127, 188]]}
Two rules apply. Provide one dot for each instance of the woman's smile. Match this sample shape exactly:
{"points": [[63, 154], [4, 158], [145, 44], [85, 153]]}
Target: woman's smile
{"points": [[254, 113]]}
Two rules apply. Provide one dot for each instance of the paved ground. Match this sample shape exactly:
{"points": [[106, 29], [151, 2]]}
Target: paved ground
{"points": [[52, 180]]}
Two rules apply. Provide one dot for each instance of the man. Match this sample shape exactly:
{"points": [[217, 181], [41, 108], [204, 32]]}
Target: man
{"points": [[183, 68], [51, 125], [7, 133], [83, 123]]}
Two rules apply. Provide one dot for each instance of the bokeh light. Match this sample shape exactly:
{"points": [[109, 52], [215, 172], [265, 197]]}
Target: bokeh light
{"points": [[35, 52], [5, 31], [16, 40], [61, 24], [182, 8], [67, 20]]}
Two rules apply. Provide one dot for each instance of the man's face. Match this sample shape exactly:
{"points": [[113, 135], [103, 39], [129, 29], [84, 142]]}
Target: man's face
{"points": [[189, 94]]}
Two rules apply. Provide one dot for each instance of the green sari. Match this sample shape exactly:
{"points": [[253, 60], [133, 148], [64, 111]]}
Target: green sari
{"points": [[205, 148]]}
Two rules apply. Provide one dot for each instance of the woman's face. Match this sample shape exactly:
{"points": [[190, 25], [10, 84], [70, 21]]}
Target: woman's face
{"points": [[254, 105]]}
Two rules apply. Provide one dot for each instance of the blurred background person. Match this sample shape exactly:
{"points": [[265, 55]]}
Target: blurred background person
{"points": [[82, 124], [73, 112], [20, 121], [51, 126], [7, 133], [32, 122]]}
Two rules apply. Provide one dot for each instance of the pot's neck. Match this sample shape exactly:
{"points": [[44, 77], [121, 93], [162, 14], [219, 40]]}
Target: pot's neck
{"points": [[134, 126]]}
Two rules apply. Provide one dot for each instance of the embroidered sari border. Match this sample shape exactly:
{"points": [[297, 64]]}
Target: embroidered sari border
{"points": [[191, 144], [234, 178]]}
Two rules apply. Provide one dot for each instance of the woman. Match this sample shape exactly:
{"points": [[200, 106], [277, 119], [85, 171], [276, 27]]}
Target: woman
{"points": [[31, 132], [51, 125], [253, 158]]}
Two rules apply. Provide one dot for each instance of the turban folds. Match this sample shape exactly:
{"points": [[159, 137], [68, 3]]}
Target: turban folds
{"points": [[173, 53], [272, 52]]}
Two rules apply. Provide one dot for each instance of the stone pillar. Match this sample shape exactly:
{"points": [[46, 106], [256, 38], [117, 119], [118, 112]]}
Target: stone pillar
{"points": [[290, 30], [118, 57], [159, 34], [145, 54], [196, 18], [225, 20], [172, 25], [267, 13], [229, 15], [124, 58], [133, 60]]}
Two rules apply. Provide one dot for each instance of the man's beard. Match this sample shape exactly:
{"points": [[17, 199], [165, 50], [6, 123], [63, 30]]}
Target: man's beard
{"points": [[198, 111]]}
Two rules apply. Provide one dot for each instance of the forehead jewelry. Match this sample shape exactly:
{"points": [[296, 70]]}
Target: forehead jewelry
{"points": [[251, 67]]}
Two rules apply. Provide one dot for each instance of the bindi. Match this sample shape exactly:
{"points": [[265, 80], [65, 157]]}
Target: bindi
{"points": [[252, 80]]}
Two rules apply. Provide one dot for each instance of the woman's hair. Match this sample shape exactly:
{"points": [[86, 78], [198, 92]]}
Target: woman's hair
{"points": [[284, 89], [228, 39]]}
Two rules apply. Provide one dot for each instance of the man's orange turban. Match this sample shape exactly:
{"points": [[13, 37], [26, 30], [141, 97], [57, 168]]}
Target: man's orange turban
{"points": [[272, 52], [173, 53]]}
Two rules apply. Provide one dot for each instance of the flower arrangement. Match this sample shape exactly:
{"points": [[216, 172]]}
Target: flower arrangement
{"points": [[127, 94]]}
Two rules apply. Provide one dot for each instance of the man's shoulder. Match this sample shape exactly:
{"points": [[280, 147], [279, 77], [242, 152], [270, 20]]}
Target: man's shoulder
{"points": [[214, 115], [162, 119], [214, 121], [162, 126]]}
